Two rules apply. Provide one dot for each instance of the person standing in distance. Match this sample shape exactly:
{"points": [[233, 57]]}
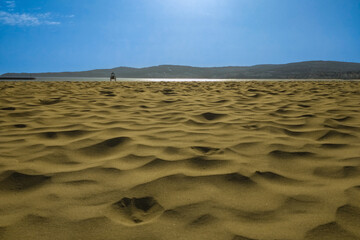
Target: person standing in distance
{"points": [[112, 77]]}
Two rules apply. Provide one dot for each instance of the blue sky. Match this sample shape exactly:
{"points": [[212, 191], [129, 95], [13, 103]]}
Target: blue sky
{"points": [[72, 35]]}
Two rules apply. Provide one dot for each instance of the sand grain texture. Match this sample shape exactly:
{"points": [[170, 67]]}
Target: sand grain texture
{"points": [[169, 160]]}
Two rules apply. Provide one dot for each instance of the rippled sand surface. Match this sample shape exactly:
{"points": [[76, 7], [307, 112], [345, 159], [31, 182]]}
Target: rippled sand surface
{"points": [[213, 160]]}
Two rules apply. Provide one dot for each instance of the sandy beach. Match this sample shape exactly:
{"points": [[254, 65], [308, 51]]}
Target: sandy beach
{"points": [[265, 160]]}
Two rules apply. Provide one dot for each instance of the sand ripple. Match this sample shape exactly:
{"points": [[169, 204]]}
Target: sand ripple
{"points": [[215, 160]]}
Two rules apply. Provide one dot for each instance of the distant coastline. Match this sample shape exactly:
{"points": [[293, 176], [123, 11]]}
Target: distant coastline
{"points": [[299, 70]]}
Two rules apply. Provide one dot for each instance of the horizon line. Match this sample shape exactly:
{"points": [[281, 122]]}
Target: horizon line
{"points": [[180, 65]]}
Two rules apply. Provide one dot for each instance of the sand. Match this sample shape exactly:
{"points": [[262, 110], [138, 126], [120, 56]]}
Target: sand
{"points": [[214, 160]]}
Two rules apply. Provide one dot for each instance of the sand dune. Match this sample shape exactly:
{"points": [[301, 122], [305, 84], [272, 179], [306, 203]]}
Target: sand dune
{"points": [[190, 160]]}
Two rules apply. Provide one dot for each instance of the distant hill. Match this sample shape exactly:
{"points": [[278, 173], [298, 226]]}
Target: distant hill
{"points": [[300, 70]]}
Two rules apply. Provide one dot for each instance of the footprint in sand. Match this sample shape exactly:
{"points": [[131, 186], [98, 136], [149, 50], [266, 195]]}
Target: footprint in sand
{"points": [[135, 211]]}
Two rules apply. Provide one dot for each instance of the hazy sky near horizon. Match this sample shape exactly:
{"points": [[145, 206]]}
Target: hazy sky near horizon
{"points": [[74, 35]]}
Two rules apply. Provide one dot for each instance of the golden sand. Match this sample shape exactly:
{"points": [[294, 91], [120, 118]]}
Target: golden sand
{"points": [[213, 160]]}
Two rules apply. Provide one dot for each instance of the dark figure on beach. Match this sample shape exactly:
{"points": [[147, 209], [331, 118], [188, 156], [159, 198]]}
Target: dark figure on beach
{"points": [[112, 77]]}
